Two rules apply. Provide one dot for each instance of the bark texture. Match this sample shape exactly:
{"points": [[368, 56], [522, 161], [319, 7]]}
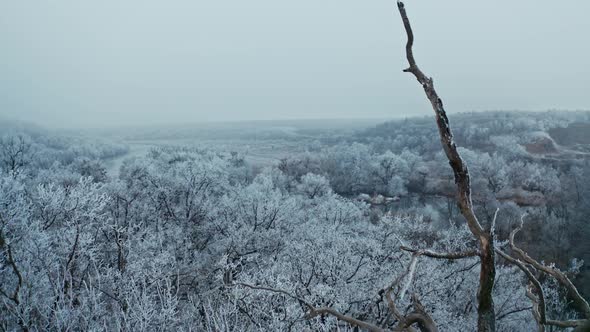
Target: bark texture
{"points": [[485, 308]]}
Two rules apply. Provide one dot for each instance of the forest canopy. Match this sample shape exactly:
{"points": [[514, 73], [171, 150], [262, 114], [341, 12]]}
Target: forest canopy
{"points": [[167, 240]]}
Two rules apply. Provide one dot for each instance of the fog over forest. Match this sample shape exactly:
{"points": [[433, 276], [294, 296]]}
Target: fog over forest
{"points": [[268, 166]]}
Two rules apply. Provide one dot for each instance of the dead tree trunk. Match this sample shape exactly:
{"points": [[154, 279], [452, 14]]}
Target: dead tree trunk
{"points": [[485, 309]]}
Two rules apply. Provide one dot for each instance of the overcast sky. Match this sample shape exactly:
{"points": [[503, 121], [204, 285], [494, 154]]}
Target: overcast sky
{"points": [[72, 63]]}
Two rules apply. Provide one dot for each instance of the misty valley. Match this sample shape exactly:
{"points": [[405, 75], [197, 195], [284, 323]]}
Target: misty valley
{"points": [[262, 225], [231, 166]]}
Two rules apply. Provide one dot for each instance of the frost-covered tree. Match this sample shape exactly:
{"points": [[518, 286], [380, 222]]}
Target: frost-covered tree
{"points": [[15, 152], [314, 185]]}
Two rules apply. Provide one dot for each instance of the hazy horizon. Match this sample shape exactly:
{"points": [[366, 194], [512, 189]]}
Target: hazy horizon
{"points": [[142, 63]]}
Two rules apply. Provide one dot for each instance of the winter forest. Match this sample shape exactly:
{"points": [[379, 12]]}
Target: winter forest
{"points": [[300, 225], [181, 237]]}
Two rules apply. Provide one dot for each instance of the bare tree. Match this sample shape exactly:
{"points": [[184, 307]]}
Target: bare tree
{"points": [[485, 309], [14, 152], [485, 237]]}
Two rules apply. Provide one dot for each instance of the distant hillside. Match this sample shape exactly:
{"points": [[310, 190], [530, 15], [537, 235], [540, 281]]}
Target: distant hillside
{"points": [[535, 132], [574, 135]]}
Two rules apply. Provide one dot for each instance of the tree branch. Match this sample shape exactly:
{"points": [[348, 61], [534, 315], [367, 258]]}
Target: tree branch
{"points": [[350, 320], [446, 255], [485, 308], [539, 310], [578, 300], [314, 312], [389, 298], [419, 315], [506, 314], [536, 309], [461, 172], [279, 291]]}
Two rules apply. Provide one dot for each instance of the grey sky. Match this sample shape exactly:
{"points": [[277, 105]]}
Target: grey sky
{"points": [[92, 63]]}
